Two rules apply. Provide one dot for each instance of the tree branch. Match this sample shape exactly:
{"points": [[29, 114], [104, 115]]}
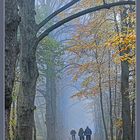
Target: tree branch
{"points": [[56, 13], [89, 10]]}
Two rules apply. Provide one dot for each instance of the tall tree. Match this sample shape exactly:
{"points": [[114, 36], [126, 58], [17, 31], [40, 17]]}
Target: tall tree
{"points": [[127, 57], [49, 62], [126, 112], [110, 96], [28, 69]]}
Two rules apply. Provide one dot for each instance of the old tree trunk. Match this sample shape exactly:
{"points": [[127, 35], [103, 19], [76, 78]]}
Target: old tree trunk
{"points": [[11, 51], [126, 113], [29, 71]]}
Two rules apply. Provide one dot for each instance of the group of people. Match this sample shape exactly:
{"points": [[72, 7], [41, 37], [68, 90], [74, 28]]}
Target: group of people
{"points": [[82, 134]]}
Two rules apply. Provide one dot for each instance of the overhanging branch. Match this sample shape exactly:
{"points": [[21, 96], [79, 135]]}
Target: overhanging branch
{"points": [[56, 13], [84, 12]]}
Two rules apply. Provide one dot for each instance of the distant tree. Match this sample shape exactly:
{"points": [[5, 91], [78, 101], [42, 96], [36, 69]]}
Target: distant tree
{"points": [[49, 64]]}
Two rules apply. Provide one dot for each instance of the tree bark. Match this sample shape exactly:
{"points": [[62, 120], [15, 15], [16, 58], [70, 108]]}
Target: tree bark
{"points": [[126, 117], [115, 99], [110, 99], [102, 109], [11, 52], [126, 113], [29, 71], [25, 112]]}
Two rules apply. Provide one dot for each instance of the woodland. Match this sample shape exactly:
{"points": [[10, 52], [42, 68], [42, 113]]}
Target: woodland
{"points": [[55, 46]]}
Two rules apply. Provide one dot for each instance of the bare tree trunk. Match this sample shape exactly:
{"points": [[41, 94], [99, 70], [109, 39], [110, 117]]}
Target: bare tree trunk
{"points": [[126, 113], [25, 114], [125, 102], [102, 109], [29, 71], [11, 52], [115, 99], [110, 99]]}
